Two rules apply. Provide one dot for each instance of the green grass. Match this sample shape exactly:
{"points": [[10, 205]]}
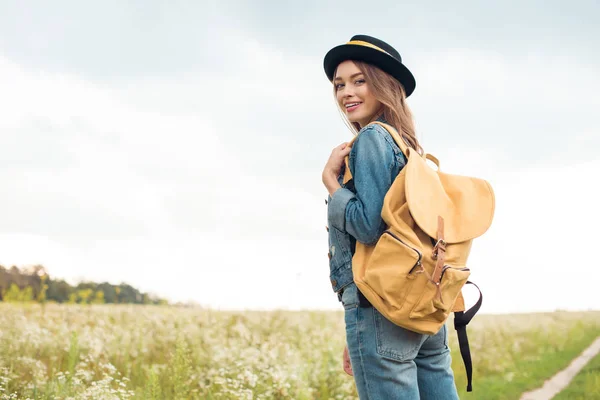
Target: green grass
{"points": [[532, 349], [586, 385], [161, 352]]}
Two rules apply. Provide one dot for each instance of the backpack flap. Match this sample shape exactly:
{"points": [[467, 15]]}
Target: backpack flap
{"points": [[465, 203]]}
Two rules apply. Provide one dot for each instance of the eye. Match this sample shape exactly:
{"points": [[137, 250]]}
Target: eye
{"points": [[359, 81], [339, 86]]}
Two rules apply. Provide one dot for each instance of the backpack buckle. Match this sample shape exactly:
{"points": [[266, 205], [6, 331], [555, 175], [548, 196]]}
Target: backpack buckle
{"points": [[439, 245], [441, 242]]}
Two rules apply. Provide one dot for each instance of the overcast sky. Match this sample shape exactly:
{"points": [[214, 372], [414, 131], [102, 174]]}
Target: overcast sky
{"points": [[178, 146]]}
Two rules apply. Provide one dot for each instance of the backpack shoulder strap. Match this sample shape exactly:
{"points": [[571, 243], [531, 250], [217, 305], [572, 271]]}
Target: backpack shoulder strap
{"points": [[393, 133], [461, 320], [396, 136]]}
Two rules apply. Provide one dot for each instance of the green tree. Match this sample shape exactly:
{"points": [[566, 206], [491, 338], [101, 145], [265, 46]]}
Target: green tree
{"points": [[84, 295], [98, 297], [41, 297], [27, 294], [72, 298], [58, 290], [13, 294], [34, 283], [110, 293]]}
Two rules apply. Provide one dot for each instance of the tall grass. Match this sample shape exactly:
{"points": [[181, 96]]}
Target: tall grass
{"points": [[152, 352]]}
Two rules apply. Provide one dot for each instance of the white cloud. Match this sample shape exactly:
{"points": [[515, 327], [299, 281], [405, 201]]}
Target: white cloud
{"points": [[214, 181], [149, 195], [538, 79], [536, 107], [539, 252]]}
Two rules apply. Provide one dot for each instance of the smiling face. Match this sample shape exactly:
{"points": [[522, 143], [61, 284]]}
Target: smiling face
{"points": [[353, 94]]}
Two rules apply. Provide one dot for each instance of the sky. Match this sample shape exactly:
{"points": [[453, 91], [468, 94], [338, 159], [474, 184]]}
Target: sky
{"points": [[178, 146]]}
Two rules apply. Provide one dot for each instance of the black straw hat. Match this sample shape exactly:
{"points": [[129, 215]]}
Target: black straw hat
{"points": [[372, 51]]}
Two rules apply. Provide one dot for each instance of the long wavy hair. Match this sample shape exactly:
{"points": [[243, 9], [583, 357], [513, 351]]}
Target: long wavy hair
{"points": [[392, 97]]}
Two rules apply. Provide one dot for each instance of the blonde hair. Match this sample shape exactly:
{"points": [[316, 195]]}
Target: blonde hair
{"points": [[390, 93]]}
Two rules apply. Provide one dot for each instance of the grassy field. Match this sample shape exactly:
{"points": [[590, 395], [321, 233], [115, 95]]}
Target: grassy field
{"points": [[586, 385], [160, 352]]}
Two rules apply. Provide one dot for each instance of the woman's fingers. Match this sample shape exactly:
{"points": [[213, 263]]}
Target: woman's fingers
{"points": [[347, 364]]}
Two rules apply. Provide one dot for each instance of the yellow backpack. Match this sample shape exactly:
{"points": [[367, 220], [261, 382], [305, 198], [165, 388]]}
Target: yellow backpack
{"points": [[414, 274]]}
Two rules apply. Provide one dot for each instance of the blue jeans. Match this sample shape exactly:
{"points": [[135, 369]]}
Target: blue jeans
{"points": [[390, 362]]}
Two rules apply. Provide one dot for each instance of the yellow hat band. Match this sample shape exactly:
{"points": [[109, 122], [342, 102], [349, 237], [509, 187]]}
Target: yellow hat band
{"points": [[367, 44]]}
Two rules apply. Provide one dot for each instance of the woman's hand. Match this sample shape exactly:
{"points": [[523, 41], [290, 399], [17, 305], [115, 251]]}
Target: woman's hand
{"points": [[334, 166], [347, 364]]}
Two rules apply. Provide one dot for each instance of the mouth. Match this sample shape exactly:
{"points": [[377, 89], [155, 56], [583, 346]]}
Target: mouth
{"points": [[352, 106]]}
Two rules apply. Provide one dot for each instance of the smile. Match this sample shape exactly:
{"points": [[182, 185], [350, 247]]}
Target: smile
{"points": [[352, 106]]}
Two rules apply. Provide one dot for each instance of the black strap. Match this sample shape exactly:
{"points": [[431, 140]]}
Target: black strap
{"points": [[461, 320], [363, 302]]}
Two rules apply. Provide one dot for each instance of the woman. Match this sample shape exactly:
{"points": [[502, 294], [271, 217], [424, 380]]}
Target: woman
{"points": [[371, 84]]}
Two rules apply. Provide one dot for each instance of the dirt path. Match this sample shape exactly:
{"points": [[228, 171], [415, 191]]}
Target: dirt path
{"points": [[562, 379]]}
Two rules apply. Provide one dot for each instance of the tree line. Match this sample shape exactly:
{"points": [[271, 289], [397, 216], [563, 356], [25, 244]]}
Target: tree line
{"points": [[34, 284]]}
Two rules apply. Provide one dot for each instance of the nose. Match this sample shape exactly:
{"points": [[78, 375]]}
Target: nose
{"points": [[347, 91]]}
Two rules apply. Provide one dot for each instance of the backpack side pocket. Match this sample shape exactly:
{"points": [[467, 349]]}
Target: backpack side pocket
{"points": [[439, 300], [389, 272]]}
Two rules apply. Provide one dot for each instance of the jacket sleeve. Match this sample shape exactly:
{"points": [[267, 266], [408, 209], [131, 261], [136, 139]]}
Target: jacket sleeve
{"points": [[374, 171]]}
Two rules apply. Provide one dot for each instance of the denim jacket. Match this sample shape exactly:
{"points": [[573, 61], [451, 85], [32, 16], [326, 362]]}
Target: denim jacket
{"points": [[354, 210]]}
